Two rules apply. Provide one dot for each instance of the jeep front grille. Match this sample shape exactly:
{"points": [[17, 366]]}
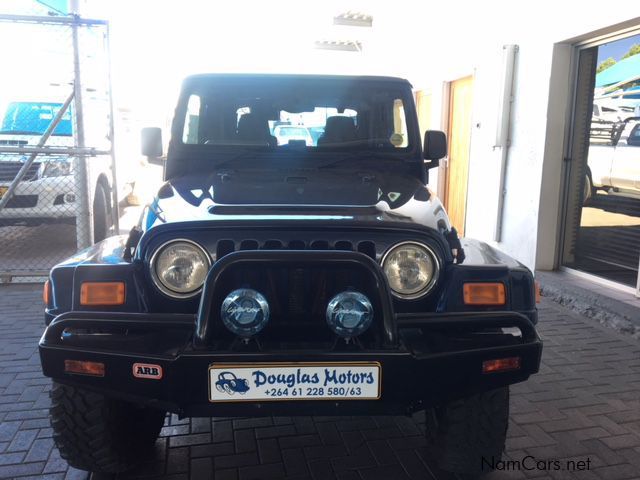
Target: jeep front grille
{"points": [[227, 246]]}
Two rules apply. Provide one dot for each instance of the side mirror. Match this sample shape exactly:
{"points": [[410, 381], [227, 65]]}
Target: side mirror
{"points": [[151, 143], [435, 147]]}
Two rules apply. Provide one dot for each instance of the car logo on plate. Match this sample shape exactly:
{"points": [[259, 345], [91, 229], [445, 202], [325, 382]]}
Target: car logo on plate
{"points": [[230, 384], [147, 370]]}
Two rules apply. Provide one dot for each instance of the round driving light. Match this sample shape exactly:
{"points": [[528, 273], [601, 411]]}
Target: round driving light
{"points": [[245, 312], [349, 314], [411, 269], [179, 268]]}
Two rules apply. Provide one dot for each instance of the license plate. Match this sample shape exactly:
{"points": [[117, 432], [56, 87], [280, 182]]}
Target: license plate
{"points": [[3, 190], [294, 381]]}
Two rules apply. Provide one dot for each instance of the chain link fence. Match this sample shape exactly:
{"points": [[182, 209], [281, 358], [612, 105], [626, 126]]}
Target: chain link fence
{"points": [[58, 189]]}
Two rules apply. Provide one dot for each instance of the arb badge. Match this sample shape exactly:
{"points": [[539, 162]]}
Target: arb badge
{"points": [[147, 370]]}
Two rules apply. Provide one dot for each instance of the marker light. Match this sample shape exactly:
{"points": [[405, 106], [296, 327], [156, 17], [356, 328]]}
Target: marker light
{"points": [[501, 365], [102, 293], [245, 312], [349, 314], [80, 367], [477, 293], [46, 293]]}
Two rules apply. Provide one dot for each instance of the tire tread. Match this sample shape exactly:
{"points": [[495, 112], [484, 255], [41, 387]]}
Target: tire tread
{"points": [[98, 434]]}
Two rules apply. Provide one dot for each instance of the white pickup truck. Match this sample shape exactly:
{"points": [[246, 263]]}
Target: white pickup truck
{"points": [[614, 163], [47, 192]]}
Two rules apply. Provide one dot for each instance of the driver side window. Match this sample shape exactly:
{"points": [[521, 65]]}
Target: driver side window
{"points": [[192, 121]]}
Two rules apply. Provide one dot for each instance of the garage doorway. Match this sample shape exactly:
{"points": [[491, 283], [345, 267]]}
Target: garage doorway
{"points": [[602, 222], [457, 168]]}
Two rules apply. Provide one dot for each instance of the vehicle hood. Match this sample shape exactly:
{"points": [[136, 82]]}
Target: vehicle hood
{"points": [[296, 196]]}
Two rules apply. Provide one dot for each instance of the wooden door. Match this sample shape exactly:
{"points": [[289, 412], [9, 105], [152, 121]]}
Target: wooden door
{"points": [[457, 171]]}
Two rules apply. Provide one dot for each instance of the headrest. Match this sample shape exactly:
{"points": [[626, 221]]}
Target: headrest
{"points": [[251, 127], [340, 129]]}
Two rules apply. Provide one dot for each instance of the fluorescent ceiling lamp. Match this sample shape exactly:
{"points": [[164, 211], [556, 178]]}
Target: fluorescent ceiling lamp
{"points": [[342, 45], [353, 19]]}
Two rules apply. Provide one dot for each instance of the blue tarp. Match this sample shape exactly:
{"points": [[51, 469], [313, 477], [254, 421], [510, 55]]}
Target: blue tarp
{"points": [[621, 71]]}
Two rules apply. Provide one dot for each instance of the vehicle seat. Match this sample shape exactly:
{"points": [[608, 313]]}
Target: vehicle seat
{"points": [[252, 129], [337, 130]]}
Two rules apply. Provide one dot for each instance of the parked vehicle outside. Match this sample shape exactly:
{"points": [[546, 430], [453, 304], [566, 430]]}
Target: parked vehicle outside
{"points": [[287, 133], [615, 166], [47, 194], [268, 280]]}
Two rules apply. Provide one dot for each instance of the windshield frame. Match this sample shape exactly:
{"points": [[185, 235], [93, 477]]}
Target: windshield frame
{"points": [[182, 152]]}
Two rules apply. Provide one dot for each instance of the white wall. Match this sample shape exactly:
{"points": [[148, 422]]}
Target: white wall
{"points": [[466, 46]]}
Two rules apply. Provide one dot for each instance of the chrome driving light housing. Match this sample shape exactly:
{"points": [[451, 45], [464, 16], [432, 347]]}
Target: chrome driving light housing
{"points": [[245, 312], [179, 268], [349, 314], [411, 269]]}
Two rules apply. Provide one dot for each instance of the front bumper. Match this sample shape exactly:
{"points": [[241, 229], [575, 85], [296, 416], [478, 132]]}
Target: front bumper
{"points": [[40, 200], [415, 374]]}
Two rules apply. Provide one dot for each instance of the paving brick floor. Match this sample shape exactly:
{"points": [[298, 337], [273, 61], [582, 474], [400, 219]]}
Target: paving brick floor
{"points": [[583, 406]]}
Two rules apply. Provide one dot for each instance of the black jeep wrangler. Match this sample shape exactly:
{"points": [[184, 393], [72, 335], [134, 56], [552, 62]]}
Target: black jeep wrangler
{"points": [[293, 263]]}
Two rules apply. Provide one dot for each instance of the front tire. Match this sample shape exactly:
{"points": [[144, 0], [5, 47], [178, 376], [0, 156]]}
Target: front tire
{"points": [[100, 434], [471, 433], [101, 217]]}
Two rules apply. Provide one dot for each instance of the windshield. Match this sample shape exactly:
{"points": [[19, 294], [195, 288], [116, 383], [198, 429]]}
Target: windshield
{"points": [[307, 113], [30, 118]]}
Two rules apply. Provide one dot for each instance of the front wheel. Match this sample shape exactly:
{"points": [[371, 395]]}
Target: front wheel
{"points": [[100, 434], [101, 216], [470, 433]]}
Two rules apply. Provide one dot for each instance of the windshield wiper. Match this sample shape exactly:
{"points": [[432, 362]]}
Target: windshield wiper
{"points": [[360, 155], [240, 156]]}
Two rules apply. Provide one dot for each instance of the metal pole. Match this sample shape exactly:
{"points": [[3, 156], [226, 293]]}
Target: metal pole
{"points": [[50, 20], [115, 211], [45, 136], [44, 150], [502, 129], [84, 230]]}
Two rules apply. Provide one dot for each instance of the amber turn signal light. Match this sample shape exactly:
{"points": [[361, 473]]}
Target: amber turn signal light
{"points": [[538, 292], [484, 293], [501, 365], [84, 368], [102, 293], [46, 293]]}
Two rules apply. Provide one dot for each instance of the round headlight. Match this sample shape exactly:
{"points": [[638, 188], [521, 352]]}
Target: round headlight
{"points": [[411, 269], [179, 268], [245, 312], [349, 314]]}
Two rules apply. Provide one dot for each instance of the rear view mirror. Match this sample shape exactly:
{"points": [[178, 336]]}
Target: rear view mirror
{"points": [[435, 147], [151, 142]]}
